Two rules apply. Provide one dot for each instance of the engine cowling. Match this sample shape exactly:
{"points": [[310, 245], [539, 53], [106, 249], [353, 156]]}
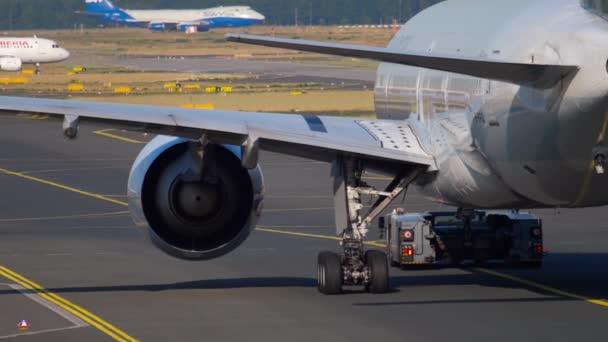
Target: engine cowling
{"points": [[158, 27], [10, 64], [193, 27], [191, 212]]}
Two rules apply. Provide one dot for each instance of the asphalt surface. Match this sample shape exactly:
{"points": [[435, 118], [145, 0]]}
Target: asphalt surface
{"points": [[86, 250]]}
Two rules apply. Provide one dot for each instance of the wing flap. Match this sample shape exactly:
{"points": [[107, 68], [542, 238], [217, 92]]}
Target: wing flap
{"points": [[537, 75]]}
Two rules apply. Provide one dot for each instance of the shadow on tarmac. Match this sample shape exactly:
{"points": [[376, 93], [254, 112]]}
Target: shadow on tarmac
{"points": [[468, 301], [582, 274]]}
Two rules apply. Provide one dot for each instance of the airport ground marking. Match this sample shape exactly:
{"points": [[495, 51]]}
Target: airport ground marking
{"points": [[297, 209], [74, 169], [65, 217], [75, 320], [106, 133], [85, 315], [526, 282], [63, 187], [542, 287], [316, 236]]}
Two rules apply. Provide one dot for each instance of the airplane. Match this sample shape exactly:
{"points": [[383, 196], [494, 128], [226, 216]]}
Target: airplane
{"points": [[168, 19], [14, 52], [483, 103]]}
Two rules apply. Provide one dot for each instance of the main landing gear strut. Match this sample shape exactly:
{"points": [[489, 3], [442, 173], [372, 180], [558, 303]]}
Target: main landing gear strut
{"points": [[356, 266]]}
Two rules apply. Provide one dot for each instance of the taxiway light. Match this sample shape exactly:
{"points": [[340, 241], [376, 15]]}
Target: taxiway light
{"points": [[23, 325]]}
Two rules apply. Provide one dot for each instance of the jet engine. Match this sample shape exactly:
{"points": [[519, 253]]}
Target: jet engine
{"points": [[196, 203], [159, 27], [10, 64]]}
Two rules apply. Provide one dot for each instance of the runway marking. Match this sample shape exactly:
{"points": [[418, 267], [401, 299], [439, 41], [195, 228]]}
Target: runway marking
{"points": [[317, 236], [529, 283], [105, 133], [297, 209], [536, 285], [75, 320], [49, 218], [298, 227], [3, 337], [63, 187], [85, 315], [295, 196], [75, 169]]}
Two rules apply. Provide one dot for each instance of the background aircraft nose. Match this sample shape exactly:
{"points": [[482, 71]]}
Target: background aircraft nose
{"points": [[65, 54]]}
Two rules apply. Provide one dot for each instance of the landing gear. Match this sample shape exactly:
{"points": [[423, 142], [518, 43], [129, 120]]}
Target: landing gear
{"points": [[355, 266], [369, 270], [37, 68]]}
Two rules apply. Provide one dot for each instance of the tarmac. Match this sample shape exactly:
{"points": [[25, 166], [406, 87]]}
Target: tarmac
{"points": [[73, 265]]}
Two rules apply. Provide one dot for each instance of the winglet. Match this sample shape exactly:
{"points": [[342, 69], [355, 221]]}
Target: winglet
{"points": [[535, 75]]}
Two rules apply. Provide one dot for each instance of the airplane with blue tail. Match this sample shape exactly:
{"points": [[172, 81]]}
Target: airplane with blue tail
{"points": [[186, 20]]}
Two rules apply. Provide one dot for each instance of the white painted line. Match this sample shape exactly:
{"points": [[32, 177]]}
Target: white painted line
{"points": [[77, 322], [38, 332]]}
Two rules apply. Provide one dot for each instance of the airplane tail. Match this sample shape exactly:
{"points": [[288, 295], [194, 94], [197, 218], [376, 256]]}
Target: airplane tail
{"points": [[100, 6], [107, 10]]}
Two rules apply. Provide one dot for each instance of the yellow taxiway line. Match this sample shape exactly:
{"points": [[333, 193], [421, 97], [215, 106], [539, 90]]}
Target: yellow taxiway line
{"points": [[542, 287], [105, 133], [85, 315], [519, 280], [63, 187], [316, 236]]}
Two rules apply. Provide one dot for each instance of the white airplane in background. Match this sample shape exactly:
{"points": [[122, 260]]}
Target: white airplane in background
{"points": [[174, 19], [484, 103], [14, 52]]}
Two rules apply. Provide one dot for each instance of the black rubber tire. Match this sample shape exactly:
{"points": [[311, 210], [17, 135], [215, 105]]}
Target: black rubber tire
{"points": [[377, 263], [329, 273]]}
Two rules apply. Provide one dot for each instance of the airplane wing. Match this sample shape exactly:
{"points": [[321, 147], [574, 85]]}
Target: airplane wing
{"points": [[537, 75], [309, 136]]}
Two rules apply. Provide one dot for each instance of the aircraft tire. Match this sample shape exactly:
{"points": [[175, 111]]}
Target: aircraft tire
{"points": [[329, 273], [378, 267]]}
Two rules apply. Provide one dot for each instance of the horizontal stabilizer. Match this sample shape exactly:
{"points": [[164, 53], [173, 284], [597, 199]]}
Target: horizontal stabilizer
{"points": [[536, 75]]}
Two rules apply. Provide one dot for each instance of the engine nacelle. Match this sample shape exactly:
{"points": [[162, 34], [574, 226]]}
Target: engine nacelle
{"points": [[193, 212], [193, 28], [159, 27], [10, 64]]}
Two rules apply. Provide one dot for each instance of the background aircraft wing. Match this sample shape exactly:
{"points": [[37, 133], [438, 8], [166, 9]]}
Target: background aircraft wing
{"points": [[309, 136], [537, 75]]}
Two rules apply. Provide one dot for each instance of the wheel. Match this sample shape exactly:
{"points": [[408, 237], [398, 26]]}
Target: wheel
{"points": [[378, 268], [329, 273]]}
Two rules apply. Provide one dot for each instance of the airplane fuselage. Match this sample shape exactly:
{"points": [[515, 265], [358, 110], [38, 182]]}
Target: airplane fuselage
{"points": [[500, 145], [32, 50], [234, 16]]}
